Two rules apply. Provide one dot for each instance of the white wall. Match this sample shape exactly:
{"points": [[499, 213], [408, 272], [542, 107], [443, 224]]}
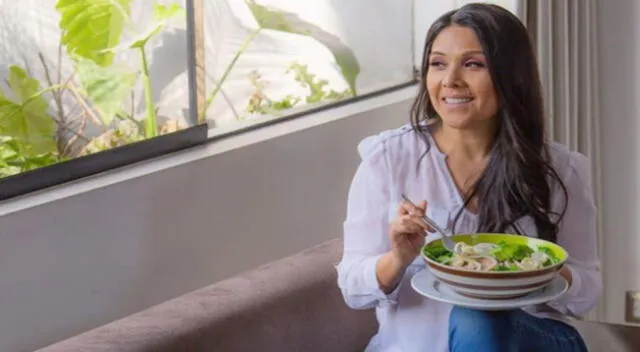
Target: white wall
{"points": [[79, 262], [620, 88]]}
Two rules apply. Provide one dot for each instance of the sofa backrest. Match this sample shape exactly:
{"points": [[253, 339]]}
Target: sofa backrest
{"points": [[292, 304]]}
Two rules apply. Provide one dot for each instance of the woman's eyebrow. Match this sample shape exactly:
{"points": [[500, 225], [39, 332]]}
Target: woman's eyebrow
{"points": [[470, 52]]}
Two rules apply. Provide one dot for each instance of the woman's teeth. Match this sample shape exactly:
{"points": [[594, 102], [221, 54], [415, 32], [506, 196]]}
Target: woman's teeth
{"points": [[457, 100]]}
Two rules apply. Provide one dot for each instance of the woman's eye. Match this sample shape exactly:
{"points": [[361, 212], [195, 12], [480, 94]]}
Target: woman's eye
{"points": [[474, 64], [437, 64]]}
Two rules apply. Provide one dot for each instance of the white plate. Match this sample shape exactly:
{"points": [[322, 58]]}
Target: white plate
{"points": [[429, 286]]}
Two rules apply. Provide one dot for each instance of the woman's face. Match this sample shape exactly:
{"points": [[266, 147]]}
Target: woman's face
{"points": [[458, 80]]}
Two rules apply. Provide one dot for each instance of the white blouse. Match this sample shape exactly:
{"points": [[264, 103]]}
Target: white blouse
{"points": [[408, 321]]}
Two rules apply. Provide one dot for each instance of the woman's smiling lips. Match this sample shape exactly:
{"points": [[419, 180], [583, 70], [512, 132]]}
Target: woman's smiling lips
{"points": [[456, 101]]}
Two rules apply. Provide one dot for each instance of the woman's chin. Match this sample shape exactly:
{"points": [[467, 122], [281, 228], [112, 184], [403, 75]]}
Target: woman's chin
{"points": [[459, 123], [465, 121]]}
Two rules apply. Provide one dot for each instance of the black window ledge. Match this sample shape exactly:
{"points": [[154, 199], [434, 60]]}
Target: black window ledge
{"points": [[74, 169]]}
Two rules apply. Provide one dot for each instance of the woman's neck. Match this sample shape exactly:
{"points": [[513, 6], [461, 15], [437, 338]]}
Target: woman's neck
{"points": [[469, 144]]}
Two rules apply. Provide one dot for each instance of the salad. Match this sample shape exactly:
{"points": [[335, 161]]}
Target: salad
{"points": [[501, 256]]}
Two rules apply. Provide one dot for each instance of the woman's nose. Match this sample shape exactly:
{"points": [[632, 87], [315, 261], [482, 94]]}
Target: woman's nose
{"points": [[451, 77]]}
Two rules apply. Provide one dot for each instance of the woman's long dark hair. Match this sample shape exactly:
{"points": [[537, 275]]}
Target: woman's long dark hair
{"points": [[518, 177]]}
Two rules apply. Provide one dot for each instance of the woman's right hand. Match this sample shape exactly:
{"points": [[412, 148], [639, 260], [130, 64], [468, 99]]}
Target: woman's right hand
{"points": [[407, 232], [407, 238]]}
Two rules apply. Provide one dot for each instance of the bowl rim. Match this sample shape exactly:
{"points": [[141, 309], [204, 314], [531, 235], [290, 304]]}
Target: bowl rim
{"points": [[495, 274]]}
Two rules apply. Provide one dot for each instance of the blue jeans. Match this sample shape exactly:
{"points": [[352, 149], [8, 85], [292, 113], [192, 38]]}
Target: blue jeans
{"points": [[510, 331]]}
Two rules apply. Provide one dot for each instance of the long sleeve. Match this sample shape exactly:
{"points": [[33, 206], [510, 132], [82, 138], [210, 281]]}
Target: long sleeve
{"points": [[577, 234], [365, 228]]}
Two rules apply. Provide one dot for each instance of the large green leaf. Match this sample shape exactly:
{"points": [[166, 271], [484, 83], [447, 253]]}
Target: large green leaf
{"points": [[278, 20], [161, 15], [106, 87], [25, 117], [90, 28], [13, 161]]}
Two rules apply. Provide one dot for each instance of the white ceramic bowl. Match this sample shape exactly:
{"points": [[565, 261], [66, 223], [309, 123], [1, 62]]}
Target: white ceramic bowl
{"points": [[494, 284]]}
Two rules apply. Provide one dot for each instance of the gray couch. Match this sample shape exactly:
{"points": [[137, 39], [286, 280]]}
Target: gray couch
{"points": [[292, 304]]}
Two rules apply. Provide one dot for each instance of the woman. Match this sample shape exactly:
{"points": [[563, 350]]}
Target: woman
{"points": [[477, 155]]}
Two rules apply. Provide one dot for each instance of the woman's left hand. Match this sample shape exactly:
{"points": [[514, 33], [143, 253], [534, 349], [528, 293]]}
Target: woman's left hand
{"points": [[566, 273]]}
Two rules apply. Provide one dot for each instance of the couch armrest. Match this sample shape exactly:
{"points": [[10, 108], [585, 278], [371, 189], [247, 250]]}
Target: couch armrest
{"points": [[292, 304]]}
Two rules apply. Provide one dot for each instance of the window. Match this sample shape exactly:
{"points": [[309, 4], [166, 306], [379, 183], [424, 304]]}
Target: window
{"points": [[427, 11], [83, 77], [90, 85], [270, 58]]}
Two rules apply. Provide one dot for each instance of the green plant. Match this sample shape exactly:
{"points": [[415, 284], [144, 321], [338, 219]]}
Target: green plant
{"points": [[161, 15], [25, 117], [227, 71], [91, 27], [14, 161], [92, 31], [34, 134], [278, 20], [316, 86], [26, 129], [261, 103], [91, 34], [123, 133]]}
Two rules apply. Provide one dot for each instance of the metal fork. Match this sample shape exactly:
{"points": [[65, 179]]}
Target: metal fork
{"points": [[446, 235]]}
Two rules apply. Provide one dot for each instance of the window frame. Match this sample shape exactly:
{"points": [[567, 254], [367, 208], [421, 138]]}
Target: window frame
{"points": [[78, 168], [62, 173]]}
